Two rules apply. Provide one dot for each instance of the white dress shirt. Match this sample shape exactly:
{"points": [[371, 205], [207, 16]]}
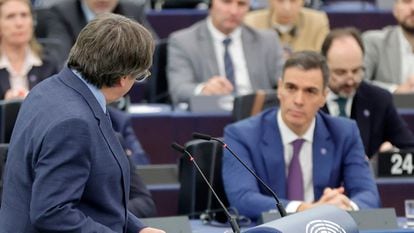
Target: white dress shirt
{"points": [[305, 158], [19, 79], [407, 57], [333, 105], [237, 55]]}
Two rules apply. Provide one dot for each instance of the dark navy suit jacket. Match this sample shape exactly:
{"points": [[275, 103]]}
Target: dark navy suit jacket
{"points": [[377, 119], [35, 76], [66, 171], [67, 20], [338, 159]]}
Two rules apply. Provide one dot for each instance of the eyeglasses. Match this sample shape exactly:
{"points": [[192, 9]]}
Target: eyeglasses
{"points": [[142, 76]]}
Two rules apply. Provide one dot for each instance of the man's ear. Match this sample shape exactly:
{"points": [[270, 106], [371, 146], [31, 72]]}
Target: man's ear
{"points": [[122, 81], [325, 95]]}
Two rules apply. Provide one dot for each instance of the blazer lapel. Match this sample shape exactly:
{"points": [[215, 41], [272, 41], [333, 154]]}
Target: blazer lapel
{"points": [[361, 112], [207, 49], [34, 76], [393, 55], [273, 155], [252, 58], [104, 124], [4, 82], [323, 155]]}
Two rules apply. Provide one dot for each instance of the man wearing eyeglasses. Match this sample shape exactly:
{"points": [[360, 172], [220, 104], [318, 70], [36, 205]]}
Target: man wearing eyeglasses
{"points": [[371, 107]]}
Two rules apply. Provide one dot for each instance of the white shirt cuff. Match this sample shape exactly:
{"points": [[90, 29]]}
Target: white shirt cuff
{"points": [[199, 88], [354, 206], [292, 207]]}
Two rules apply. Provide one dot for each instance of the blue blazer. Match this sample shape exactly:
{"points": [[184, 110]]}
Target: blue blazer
{"points": [[66, 171], [338, 159]]}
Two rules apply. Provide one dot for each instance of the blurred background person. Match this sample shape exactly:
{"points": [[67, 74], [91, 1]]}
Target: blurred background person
{"points": [[23, 63], [299, 28], [389, 56], [222, 56], [70, 16], [121, 122], [370, 106]]}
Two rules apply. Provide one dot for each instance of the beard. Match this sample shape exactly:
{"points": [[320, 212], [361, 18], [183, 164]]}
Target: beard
{"points": [[406, 27]]}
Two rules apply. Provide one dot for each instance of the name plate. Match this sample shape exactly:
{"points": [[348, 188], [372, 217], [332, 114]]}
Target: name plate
{"points": [[396, 164]]}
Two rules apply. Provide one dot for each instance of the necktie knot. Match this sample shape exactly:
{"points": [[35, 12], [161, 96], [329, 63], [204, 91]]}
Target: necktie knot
{"points": [[227, 42], [297, 144]]}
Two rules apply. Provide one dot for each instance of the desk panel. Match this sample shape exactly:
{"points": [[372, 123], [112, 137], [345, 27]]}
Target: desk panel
{"points": [[393, 192], [156, 131]]}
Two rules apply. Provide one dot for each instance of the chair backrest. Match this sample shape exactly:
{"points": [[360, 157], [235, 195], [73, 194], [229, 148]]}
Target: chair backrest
{"points": [[194, 196], [404, 100], [249, 105], [42, 16], [8, 114], [157, 83], [3, 156]]}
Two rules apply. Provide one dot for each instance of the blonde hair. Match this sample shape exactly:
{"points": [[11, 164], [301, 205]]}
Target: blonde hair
{"points": [[35, 46]]}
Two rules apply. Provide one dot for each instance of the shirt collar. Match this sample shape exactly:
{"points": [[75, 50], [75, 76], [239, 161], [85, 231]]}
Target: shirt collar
{"points": [[405, 46], [95, 91], [89, 15], [30, 61], [219, 36], [289, 136]]}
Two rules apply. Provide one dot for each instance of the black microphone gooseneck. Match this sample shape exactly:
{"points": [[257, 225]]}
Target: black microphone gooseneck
{"points": [[232, 219], [279, 205]]}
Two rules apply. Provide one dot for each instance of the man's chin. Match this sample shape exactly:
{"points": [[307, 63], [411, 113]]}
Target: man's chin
{"points": [[407, 28]]}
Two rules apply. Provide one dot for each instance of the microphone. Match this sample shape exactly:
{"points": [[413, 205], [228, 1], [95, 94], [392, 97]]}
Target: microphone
{"points": [[232, 219], [279, 205]]}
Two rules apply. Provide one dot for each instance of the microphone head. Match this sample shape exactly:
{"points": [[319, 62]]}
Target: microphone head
{"points": [[178, 147], [201, 136]]}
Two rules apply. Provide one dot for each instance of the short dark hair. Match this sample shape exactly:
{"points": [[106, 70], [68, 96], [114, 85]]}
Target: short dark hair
{"points": [[341, 32], [308, 60], [110, 47]]}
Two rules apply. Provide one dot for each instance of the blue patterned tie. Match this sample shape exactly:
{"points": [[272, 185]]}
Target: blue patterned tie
{"points": [[228, 63], [341, 101], [295, 176]]}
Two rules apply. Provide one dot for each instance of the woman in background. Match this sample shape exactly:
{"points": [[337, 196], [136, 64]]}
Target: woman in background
{"points": [[22, 61]]}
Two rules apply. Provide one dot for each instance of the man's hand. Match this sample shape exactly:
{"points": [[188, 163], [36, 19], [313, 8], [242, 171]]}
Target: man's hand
{"points": [[151, 230], [20, 93], [330, 196], [217, 85], [406, 87]]}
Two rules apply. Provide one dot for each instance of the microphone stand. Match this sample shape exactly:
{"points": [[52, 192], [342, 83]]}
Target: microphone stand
{"points": [[232, 220], [279, 205]]}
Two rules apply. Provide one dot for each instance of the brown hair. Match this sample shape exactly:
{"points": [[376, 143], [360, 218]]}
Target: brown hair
{"points": [[110, 47], [308, 60], [341, 32]]}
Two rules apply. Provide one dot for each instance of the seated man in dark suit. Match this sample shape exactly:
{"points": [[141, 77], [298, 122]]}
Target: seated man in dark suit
{"points": [[140, 201], [370, 106], [121, 123], [306, 156], [70, 16]]}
